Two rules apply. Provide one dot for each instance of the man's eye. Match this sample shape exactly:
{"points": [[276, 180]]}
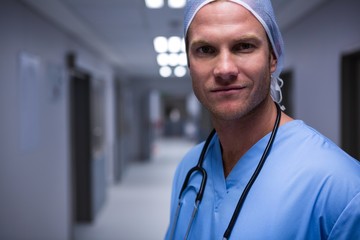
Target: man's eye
{"points": [[244, 47], [206, 50]]}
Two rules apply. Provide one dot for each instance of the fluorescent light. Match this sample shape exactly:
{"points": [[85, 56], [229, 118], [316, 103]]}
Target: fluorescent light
{"points": [[176, 3], [180, 71], [165, 72], [160, 44], [154, 3], [171, 56], [174, 44]]}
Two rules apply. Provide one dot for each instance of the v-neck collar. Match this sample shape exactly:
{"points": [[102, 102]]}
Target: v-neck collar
{"points": [[243, 169]]}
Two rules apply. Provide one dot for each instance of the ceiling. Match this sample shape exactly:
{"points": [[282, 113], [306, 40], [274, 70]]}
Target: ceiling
{"points": [[123, 30]]}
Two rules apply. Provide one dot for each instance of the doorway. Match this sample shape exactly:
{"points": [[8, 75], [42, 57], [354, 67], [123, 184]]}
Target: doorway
{"points": [[81, 145], [87, 142], [350, 104], [288, 92]]}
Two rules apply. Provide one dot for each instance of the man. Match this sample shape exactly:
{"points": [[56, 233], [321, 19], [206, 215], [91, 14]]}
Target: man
{"points": [[304, 187]]}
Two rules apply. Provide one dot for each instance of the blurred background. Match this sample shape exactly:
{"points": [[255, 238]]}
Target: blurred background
{"points": [[97, 108]]}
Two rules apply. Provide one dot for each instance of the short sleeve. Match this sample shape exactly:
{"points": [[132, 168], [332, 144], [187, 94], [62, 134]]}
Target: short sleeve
{"points": [[347, 227]]}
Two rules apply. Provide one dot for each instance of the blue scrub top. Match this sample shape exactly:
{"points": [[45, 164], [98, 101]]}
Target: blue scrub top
{"points": [[308, 189]]}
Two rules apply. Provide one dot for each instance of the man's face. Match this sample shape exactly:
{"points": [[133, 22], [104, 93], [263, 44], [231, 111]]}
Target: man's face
{"points": [[230, 61]]}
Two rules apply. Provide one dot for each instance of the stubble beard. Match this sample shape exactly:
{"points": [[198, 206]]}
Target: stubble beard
{"points": [[241, 110]]}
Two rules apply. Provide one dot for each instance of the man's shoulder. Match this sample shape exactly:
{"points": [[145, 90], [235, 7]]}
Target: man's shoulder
{"points": [[314, 153], [306, 140]]}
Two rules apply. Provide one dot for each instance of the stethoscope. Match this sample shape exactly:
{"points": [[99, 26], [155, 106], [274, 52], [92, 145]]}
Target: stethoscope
{"points": [[199, 168]]}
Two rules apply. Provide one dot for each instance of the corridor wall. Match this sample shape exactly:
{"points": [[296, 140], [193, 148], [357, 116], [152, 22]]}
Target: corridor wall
{"points": [[35, 169], [314, 46]]}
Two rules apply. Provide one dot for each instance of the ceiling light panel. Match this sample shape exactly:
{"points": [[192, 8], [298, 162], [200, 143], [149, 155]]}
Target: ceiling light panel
{"points": [[154, 3], [163, 59], [160, 44], [176, 3], [180, 71], [165, 72], [174, 44]]}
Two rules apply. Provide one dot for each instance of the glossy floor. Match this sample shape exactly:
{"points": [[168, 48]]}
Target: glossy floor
{"points": [[138, 208]]}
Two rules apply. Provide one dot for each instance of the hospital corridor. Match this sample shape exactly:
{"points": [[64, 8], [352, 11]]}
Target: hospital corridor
{"points": [[138, 207], [97, 107]]}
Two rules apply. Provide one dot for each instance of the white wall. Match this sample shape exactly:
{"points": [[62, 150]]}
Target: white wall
{"points": [[314, 47], [35, 199]]}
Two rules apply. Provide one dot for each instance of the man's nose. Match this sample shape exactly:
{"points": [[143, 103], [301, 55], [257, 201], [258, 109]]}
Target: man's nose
{"points": [[225, 67]]}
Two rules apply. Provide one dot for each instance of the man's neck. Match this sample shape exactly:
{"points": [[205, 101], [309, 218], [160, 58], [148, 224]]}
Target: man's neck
{"points": [[238, 136]]}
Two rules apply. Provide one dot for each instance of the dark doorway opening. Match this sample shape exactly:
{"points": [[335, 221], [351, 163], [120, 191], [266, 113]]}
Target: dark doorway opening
{"points": [[350, 104], [288, 92], [80, 117]]}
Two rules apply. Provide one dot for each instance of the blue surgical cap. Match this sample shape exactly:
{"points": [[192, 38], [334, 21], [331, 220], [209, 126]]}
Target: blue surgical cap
{"points": [[263, 11]]}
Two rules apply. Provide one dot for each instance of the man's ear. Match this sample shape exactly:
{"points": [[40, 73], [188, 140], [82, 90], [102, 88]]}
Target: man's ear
{"points": [[273, 61]]}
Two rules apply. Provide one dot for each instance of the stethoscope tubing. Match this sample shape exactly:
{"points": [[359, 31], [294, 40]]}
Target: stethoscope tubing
{"points": [[198, 168], [248, 186]]}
